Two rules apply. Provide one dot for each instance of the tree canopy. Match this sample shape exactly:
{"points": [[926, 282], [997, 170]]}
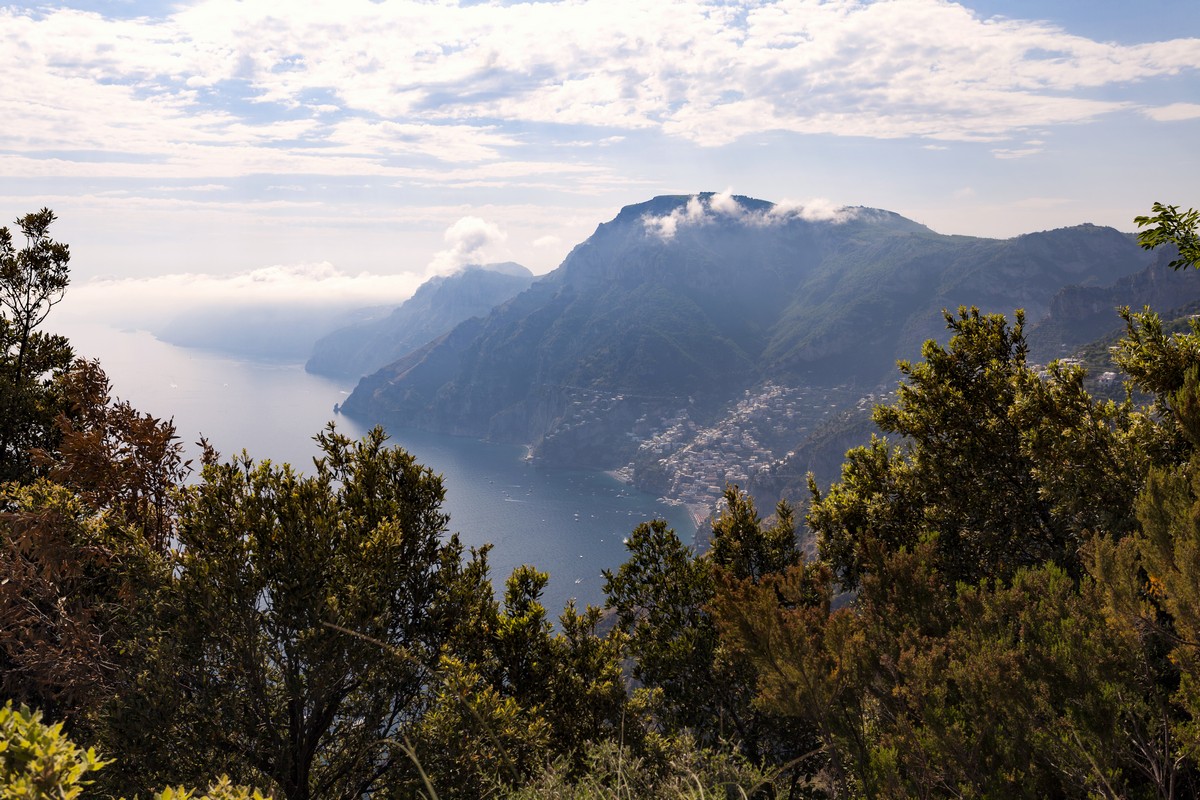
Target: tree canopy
{"points": [[1002, 466], [1169, 226], [32, 280]]}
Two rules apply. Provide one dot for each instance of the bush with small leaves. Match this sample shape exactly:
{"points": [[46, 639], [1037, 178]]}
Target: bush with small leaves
{"points": [[37, 761], [223, 789]]}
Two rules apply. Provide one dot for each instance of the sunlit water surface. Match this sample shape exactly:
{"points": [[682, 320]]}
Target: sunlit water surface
{"points": [[569, 523]]}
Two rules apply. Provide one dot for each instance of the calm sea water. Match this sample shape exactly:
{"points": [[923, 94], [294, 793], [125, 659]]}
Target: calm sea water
{"points": [[569, 523]]}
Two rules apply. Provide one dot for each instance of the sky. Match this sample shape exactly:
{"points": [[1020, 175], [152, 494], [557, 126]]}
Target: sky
{"points": [[217, 149]]}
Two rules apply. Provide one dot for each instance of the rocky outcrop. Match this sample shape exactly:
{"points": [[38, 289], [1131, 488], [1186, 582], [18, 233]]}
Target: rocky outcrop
{"points": [[1080, 314]]}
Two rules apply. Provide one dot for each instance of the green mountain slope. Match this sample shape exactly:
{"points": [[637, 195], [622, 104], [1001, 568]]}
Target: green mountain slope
{"points": [[437, 306], [685, 302]]}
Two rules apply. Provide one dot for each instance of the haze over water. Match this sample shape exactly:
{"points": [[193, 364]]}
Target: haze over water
{"points": [[569, 523]]}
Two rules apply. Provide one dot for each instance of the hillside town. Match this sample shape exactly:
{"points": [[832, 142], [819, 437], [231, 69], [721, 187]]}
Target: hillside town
{"points": [[694, 462]]}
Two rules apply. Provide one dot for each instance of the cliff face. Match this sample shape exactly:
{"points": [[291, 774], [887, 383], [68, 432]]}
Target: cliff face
{"points": [[687, 302], [436, 307], [1081, 314]]}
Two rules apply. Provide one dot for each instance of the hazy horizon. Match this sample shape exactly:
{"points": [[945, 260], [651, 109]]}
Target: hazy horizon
{"points": [[213, 150]]}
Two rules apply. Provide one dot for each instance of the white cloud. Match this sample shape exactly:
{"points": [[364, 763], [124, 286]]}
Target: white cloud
{"points": [[1015, 152], [449, 143], [145, 302], [724, 203], [818, 209], [469, 239], [452, 108], [706, 210], [694, 212], [204, 187], [240, 88], [1173, 112]]}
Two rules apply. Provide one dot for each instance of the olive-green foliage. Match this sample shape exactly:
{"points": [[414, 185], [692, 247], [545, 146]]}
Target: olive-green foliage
{"points": [[1025, 610], [115, 458], [32, 280], [1157, 361], [474, 739], [1024, 623], [743, 547], [1004, 468], [1014, 688], [662, 596], [487, 723], [587, 687], [29, 399], [299, 638], [221, 789], [83, 552], [514, 695], [37, 761], [74, 583], [522, 640], [783, 627], [1150, 581], [1026, 694], [659, 595], [1174, 228]]}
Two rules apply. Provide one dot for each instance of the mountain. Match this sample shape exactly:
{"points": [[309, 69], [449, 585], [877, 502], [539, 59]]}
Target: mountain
{"points": [[437, 306], [723, 317], [1081, 314]]}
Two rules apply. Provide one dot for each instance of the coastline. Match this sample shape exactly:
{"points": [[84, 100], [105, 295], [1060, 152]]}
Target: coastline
{"points": [[621, 474], [697, 512]]}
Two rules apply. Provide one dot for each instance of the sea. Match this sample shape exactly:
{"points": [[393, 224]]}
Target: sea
{"points": [[569, 523]]}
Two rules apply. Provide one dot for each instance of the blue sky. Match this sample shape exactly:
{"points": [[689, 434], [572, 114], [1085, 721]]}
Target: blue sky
{"points": [[198, 149]]}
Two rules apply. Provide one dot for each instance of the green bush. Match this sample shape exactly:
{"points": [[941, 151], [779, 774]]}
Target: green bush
{"points": [[37, 761], [221, 790]]}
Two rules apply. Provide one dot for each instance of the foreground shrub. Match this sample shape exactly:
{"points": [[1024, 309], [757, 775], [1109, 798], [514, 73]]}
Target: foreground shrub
{"points": [[614, 773], [37, 760]]}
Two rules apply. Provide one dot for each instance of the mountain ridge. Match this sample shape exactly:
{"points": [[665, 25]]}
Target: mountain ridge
{"points": [[690, 304], [437, 306]]}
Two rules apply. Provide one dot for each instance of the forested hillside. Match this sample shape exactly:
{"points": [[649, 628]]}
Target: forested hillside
{"points": [[1002, 603], [685, 301]]}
